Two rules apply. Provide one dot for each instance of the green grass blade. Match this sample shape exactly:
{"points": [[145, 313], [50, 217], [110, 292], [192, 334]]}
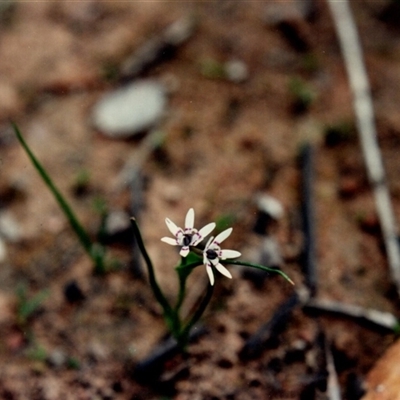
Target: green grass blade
{"points": [[72, 219]]}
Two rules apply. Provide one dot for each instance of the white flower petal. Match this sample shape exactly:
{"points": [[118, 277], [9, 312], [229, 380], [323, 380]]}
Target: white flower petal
{"points": [[172, 227], [223, 271], [210, 274], [223, 235], [184, 251], [208, 244], [206, 230], [189, 220], [229, 254], [214, 262], [169, 240]]}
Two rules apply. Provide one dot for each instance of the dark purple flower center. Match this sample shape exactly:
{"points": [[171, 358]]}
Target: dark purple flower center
{"points": [[211, 254], [187, 238]]}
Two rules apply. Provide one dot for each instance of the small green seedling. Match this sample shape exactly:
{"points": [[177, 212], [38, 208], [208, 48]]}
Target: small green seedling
{"points": [[73, 363], [302, 95], [27, 306], [81, 182], [212, 69], [37, 353]]}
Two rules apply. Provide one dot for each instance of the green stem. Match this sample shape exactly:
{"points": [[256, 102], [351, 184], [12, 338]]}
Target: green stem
{"points": [[92, 249], [184, 334], [168, 311], [182, 291]]}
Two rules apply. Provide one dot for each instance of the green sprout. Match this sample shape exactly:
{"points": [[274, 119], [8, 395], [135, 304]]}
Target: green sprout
{"points": [[95, 250], [81, 182], [37, 353], [212, 69], [302, 93], [73, 363], [27, 306]]}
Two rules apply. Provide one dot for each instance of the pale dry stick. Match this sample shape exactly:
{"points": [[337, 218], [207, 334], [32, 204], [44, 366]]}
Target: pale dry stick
{"points": [[363, 107], [333, 389], [384, 321]]}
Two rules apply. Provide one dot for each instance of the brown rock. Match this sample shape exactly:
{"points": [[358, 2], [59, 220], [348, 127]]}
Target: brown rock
{"points": [[383, 381]]}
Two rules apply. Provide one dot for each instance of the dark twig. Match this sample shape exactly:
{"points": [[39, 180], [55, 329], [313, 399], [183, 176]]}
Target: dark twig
{"points": [[158, 49], [268, 332], [308, 258], [148, 370]]}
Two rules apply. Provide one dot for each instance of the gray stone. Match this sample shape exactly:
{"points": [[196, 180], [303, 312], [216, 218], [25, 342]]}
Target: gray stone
{"points": [[131, 109], [117, 221], [278, 12], [57, 358], [270, 254], [236, 71], [9, 228], [270, 206]]}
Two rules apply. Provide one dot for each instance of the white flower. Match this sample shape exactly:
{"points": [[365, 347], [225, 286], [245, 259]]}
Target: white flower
{"points": [[188, 236], [213, 253]]}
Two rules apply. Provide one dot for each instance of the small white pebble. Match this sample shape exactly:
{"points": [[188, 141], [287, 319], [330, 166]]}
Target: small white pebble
{"points": [[236, 71], [380, 388], [270, 206]]}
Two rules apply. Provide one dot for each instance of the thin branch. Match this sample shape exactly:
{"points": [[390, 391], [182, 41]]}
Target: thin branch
{"points": [[382, 320], [308, 258], [363, 107], [270, 330], [149, 370]]}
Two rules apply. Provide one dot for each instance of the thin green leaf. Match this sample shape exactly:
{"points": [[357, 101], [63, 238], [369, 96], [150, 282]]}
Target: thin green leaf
{"points": [[257, 266], [168, 312], [93, 251]]}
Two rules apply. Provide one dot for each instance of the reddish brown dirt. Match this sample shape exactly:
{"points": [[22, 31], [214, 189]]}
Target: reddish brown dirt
{"points": [[225, 143]]}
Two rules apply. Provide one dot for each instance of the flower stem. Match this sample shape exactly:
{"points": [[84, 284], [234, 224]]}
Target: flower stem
{"points": [[184, 334], [94, 250], [169, 313], [182, 292]]}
